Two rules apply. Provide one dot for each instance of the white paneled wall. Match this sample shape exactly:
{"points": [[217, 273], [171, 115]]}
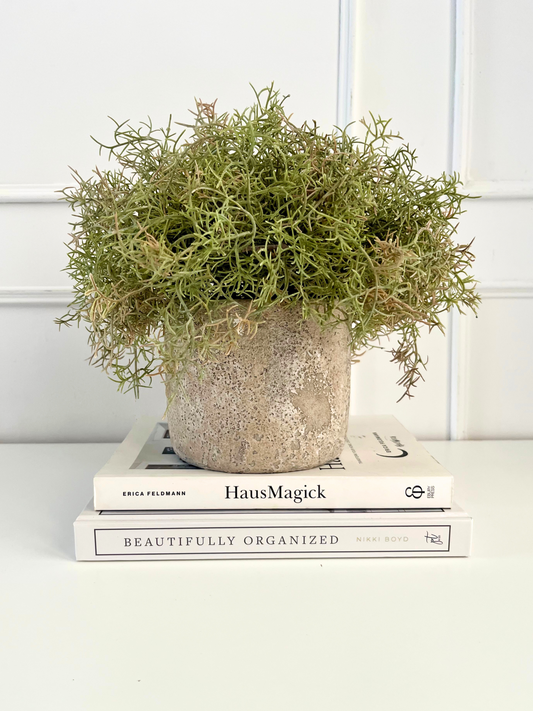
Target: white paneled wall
{"points": [[402, 70], [495, 150], [51, 389], [374, 389], [501, 110], [496, 367], [64, 68], [453, 75], [32, 245]]}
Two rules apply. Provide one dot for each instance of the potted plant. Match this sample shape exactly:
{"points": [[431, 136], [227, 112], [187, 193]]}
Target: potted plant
{"points": [[247, 261]]}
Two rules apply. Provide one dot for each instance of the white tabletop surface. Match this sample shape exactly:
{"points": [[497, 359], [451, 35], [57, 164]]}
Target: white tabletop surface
{"points": [[328, 635]]}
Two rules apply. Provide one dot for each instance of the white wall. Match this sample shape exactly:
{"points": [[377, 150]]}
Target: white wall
{"points": [[495, 152], [456, 77], [451, 74], [403, 70], [65, 67]]}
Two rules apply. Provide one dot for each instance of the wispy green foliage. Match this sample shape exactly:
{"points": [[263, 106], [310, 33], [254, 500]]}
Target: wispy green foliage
{"points": [[178, 252]]}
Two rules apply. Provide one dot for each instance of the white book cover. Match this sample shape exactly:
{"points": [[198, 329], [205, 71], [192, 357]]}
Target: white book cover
{"points": [[273, 533], [381, 466]]}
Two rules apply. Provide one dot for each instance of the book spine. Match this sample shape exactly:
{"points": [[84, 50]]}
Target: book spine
{"points": [[170, 541], [274, 491]]}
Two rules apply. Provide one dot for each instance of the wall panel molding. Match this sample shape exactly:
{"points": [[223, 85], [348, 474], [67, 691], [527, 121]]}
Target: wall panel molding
{"points": [[345, 67], [460, 59], [506, 290], [501, 189], [30, 193], [461, 359], [35, 295]]}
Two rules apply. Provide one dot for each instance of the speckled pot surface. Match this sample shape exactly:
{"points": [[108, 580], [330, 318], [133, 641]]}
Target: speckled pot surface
{"points": [[277, 403]]}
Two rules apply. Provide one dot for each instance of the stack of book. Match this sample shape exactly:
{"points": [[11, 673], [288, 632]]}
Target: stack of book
{"points": [[385, 496]]}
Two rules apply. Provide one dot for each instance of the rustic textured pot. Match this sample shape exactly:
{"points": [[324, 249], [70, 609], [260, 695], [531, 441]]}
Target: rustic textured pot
{"points": [[277, 403]]}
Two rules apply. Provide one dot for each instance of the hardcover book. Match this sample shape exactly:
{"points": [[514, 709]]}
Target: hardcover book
{"points": [[381, 466], [274, 533]]}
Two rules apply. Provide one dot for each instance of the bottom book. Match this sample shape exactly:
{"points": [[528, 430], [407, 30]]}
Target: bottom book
{"points": [[339, 533]]}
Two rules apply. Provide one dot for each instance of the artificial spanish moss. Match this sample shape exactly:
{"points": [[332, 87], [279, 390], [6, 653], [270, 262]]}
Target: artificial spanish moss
{"points": [[177, 253]]}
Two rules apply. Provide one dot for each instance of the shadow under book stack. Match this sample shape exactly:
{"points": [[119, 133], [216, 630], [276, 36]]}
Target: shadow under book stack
{"points": [[385, 496]]}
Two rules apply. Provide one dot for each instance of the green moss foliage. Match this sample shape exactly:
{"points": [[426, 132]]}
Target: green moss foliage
{"points": [[178, 251]]}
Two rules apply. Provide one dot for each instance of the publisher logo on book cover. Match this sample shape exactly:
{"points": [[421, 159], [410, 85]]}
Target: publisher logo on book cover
{"points": [[415, 492]]}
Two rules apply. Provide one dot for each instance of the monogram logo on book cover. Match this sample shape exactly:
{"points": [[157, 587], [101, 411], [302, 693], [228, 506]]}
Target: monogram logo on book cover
{"points": [[414, 491]]}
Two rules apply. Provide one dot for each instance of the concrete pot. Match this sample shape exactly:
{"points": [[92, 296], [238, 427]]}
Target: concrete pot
{"points": [[277, 403]]}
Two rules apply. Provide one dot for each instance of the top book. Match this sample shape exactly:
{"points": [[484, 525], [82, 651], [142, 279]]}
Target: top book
{"points": [[382, 466]]}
